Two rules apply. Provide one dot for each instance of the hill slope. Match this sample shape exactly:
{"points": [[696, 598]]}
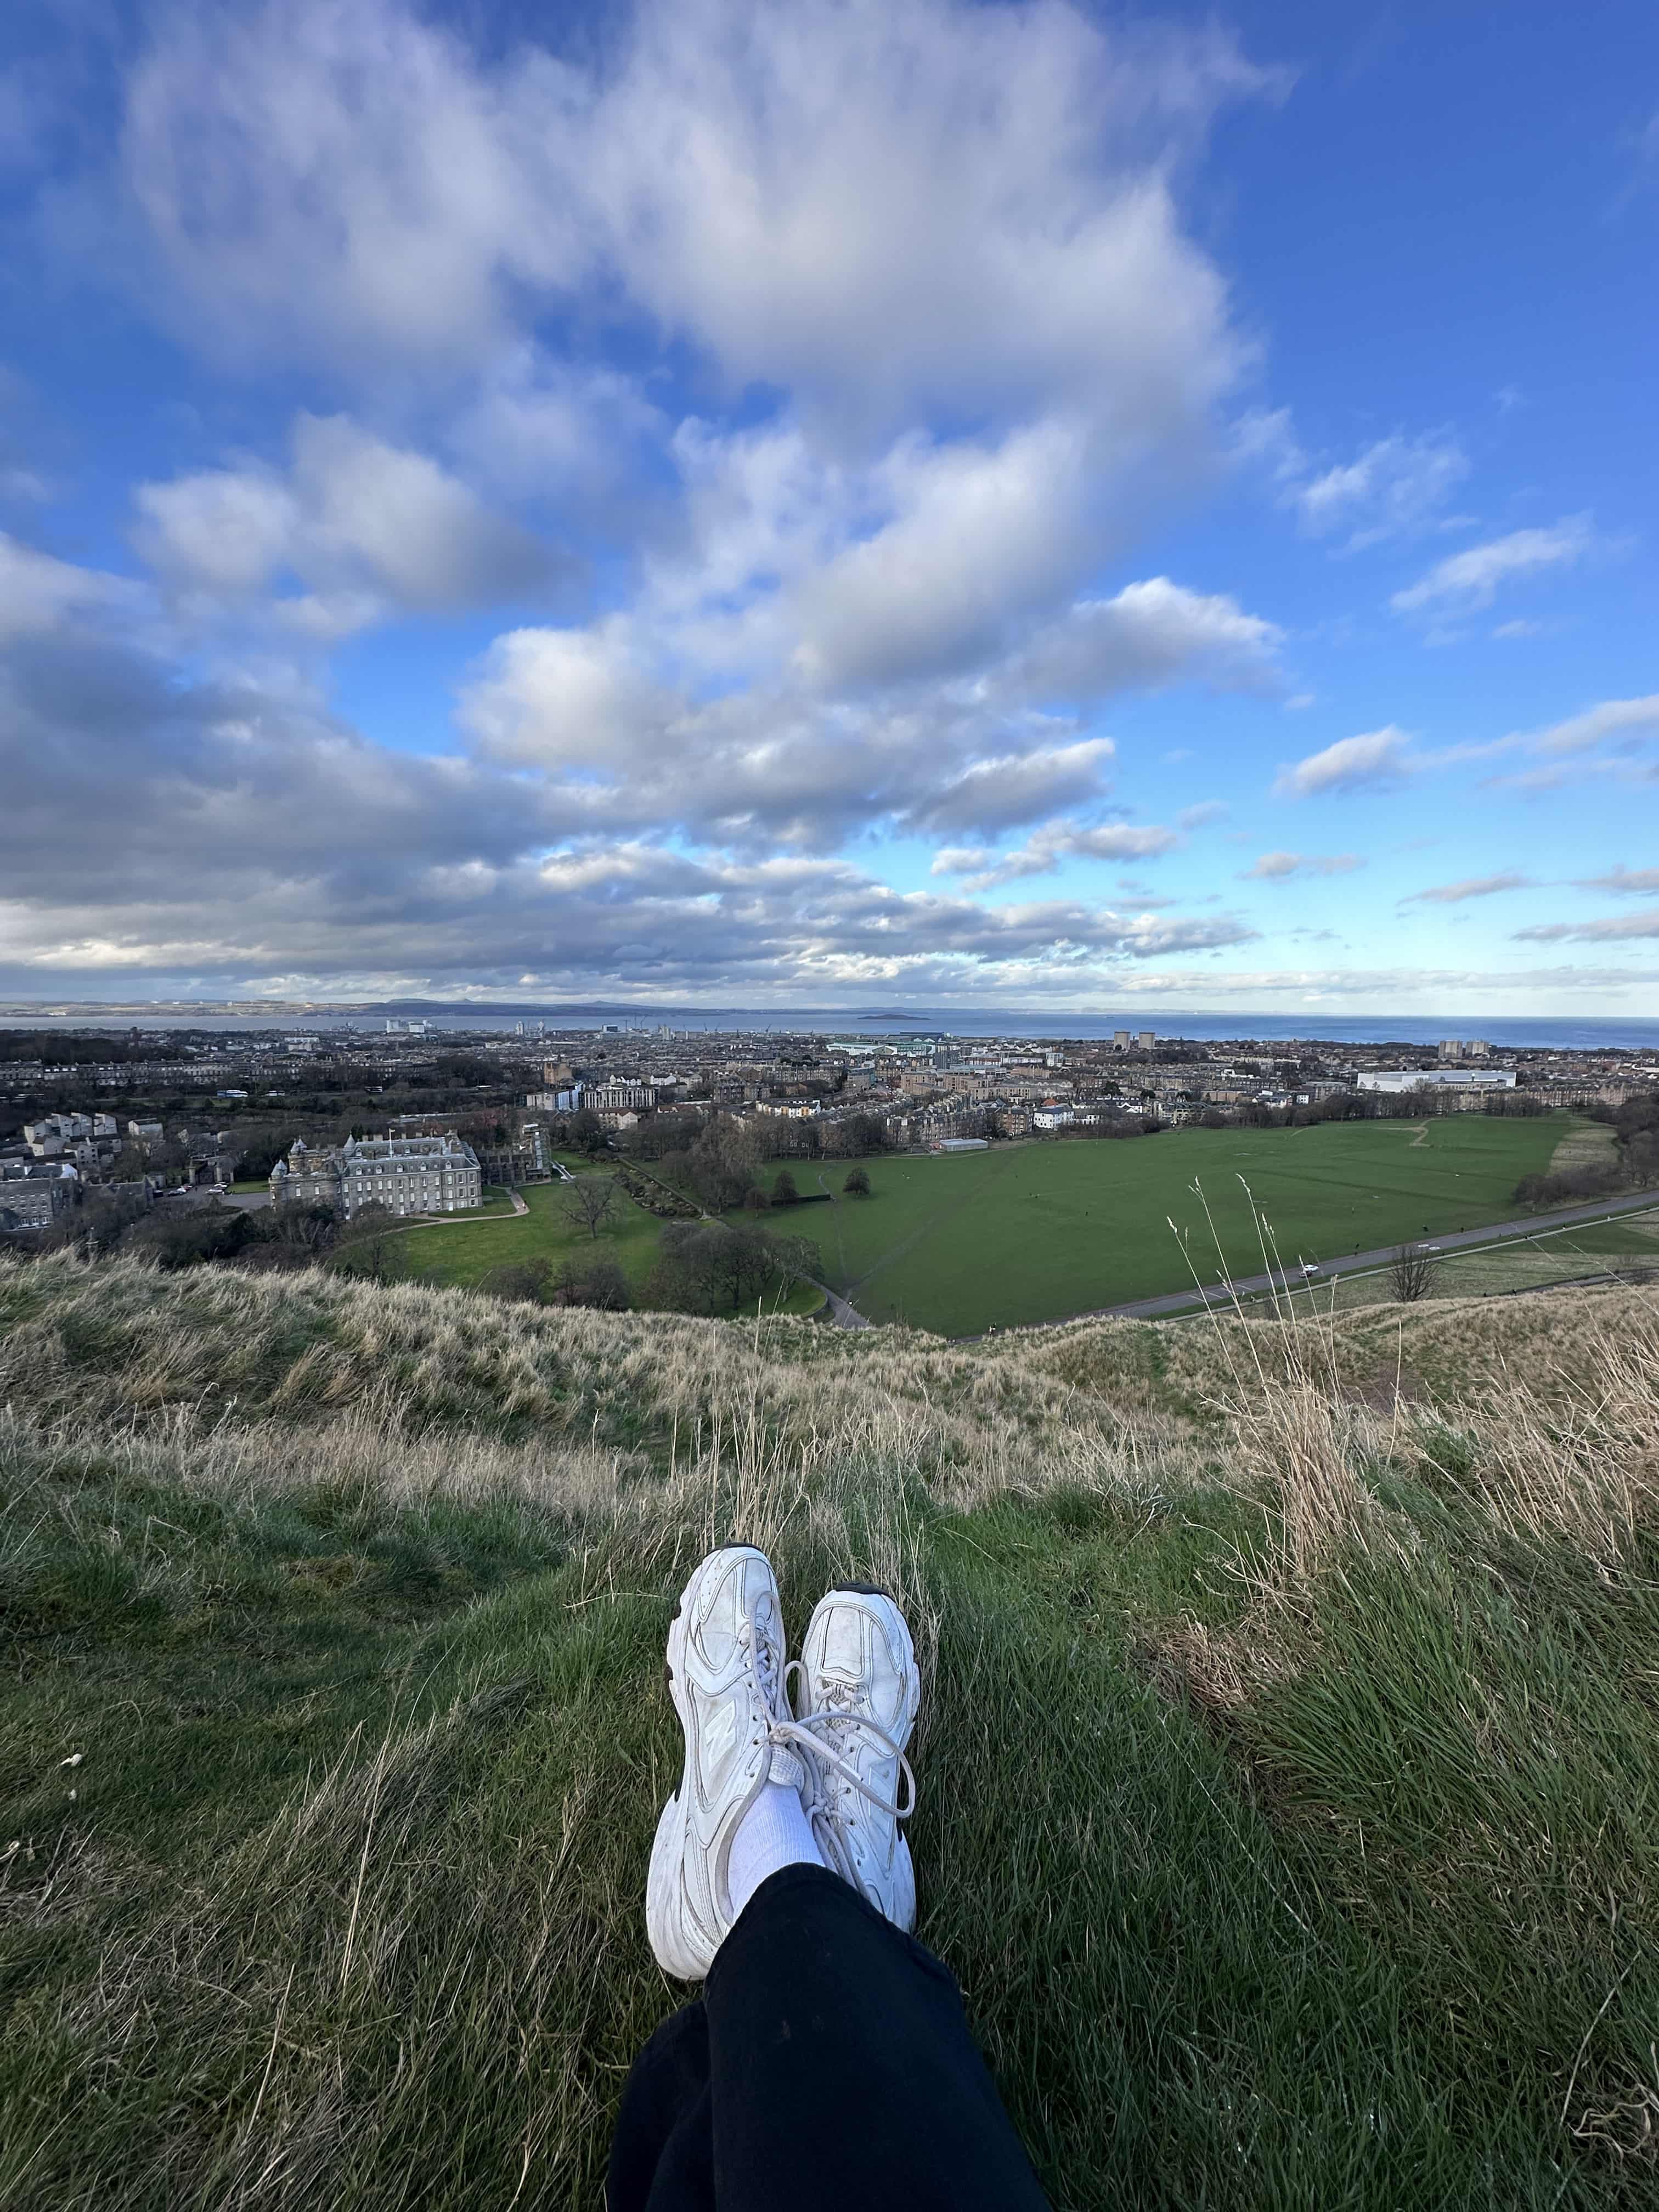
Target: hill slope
{"points": [[1288, 1763]]}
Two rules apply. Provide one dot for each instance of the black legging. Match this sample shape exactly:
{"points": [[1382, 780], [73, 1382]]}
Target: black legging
{"points": [[827, 2065]]}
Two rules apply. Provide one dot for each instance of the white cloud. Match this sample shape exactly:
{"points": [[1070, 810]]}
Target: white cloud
{"points": [[1611, 929], [316, 175], [1279, 868], [268, 842], [997, 794], [1149, 634], [1470, 888], [38, 592], [1614, 717], [1376, 757], [983, 869], [1120, 840], [1199, 815], [889, 205], [1394, 488], [370, 526], [883, 215], [975, 540], [1470, 580], [1630, 881]]}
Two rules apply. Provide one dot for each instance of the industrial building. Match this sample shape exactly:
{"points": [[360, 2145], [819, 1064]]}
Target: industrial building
{"points": [[1436, 1079]]}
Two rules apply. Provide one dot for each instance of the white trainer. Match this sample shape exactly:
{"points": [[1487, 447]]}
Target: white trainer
{"points": [[858, 1688], [726, 1675]]}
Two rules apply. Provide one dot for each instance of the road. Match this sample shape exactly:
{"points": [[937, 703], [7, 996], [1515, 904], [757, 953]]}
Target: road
{"points": [[843, 1312], [1357, 1263]]}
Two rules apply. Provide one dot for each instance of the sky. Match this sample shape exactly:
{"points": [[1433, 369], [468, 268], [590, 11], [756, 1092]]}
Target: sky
{"points": [[831, 503]]}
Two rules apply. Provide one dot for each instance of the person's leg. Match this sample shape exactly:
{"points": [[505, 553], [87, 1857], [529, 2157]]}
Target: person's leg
{"points": [[662, 2156], [841, 2070], [831, 2051]]}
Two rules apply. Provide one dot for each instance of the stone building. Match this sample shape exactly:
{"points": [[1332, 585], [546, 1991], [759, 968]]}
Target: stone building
{"points": [[33, 1192], [405, 1175]]}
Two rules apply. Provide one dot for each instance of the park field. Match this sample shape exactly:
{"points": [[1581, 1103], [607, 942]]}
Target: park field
{"points": [[961, 1242], [459, 1255]]}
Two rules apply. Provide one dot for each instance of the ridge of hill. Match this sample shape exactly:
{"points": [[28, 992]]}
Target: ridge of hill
{"points": [[1287, 1758]]}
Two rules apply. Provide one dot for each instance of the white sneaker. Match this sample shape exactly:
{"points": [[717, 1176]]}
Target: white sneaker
{"points": [[726, 1675], [859, 1690]]}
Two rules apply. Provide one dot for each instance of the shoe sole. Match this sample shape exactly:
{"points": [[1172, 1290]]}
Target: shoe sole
{"points": [[664, 1883]]}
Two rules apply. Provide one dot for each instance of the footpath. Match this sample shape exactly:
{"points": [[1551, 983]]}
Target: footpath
{"points": [[1358, 1263]]}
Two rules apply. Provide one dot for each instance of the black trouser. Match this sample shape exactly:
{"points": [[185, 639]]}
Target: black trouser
{"points": [[827, 2068]]}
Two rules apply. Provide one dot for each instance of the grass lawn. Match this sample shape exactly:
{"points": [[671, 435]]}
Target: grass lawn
{"points": [[464, 1257], [1034, 1232]]}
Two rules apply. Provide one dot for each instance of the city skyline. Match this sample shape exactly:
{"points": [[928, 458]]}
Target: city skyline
{"points": [[994, 506]]}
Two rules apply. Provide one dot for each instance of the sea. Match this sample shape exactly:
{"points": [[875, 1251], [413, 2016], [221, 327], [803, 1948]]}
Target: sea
{"points": [[1560, 1033]]}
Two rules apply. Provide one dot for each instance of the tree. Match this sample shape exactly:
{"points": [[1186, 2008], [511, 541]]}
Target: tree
{"points": [[797, 1259], [755, 1200], [859, 1133], [370, 1245], [784, 1190], [708, 1266], [589, 1202], [722, 1164], [524, 1282], [593, 1279], [857, 1184], [1412, 1272], [587, 1132]]}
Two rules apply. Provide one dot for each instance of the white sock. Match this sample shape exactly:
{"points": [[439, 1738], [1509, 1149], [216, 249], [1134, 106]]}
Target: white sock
{"points": [[774, 1833]]}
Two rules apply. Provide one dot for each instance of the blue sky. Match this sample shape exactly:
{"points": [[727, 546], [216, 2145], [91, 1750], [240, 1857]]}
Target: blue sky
{"points": [[831, 503]]}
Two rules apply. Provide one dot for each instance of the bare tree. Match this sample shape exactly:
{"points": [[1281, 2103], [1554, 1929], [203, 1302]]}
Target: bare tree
{"points": [[589, 1202], [1412, 1272]]}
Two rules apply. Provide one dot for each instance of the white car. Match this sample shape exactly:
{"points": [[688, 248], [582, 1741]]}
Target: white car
{"points": [[1310, 1266]]}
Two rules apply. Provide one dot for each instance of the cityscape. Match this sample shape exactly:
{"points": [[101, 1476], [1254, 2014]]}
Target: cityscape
{"points": [[175, 1117]]}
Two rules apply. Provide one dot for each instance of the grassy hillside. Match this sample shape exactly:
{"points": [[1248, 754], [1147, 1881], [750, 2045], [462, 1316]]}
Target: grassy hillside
{"points": [[1288, 1767], [1034, 1232]]}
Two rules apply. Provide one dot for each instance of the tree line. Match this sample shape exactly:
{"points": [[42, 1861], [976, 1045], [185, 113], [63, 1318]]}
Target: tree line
{"points": [[1632, 1165]]}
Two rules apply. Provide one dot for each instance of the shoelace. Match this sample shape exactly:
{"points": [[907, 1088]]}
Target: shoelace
{"points": [[806, 1733], [803, 1736]]}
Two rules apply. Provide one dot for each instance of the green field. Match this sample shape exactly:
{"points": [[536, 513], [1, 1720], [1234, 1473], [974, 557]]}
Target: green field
{"points": [[461, 1256], [1034, 1232]]}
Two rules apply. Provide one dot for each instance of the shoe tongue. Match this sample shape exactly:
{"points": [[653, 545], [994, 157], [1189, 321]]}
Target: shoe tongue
{"points": [[843, 1646], [786, 1767]]}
